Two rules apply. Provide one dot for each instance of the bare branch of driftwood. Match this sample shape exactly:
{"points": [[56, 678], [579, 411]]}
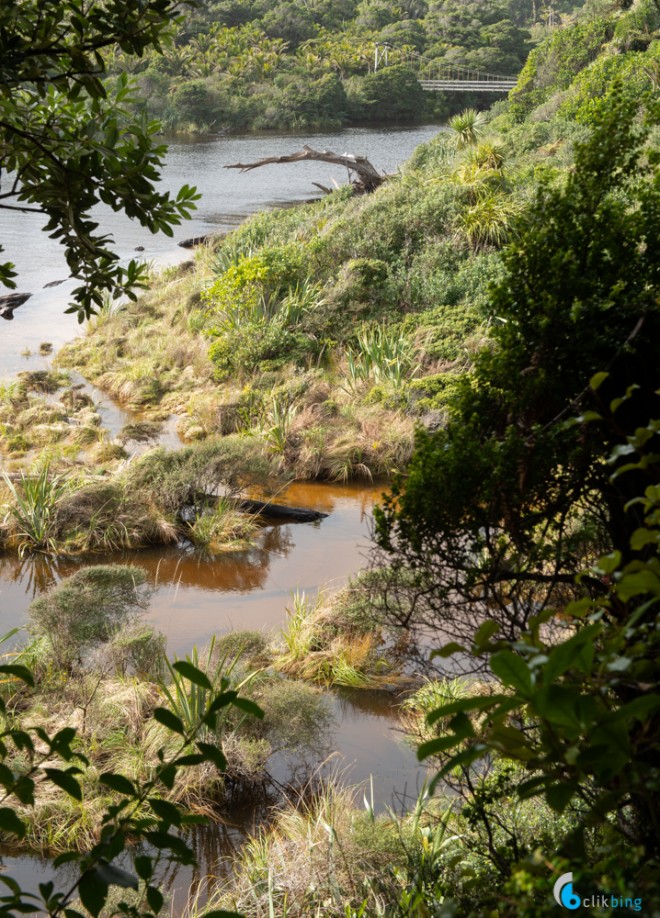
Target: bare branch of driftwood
{"points": [[368, 177]]}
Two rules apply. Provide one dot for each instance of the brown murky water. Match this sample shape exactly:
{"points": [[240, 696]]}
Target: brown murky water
{"points": [[194, 598]]}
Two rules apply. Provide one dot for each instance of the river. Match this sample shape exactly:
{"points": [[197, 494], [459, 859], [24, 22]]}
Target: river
{"points": [[194, 598]]}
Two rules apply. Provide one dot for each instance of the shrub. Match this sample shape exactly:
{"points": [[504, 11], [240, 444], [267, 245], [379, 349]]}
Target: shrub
{"points": [[553, 65], [138, 649], [88, 609]]}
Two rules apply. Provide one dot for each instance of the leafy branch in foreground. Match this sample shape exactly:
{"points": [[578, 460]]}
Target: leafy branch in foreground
{"points": [[580, 715], [68, 141], [141, 813]]}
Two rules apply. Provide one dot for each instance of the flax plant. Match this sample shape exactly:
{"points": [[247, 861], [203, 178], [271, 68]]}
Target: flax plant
{"points": [[32, 511]]}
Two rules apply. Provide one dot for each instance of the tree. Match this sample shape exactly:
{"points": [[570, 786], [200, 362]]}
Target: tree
{"points": [[509, 494], [68, 140], [527, 528]]}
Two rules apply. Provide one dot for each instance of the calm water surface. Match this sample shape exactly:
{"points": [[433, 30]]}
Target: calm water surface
{"points": [[195, 598]]}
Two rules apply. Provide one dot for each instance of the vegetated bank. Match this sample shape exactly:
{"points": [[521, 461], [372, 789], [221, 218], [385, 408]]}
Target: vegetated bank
{"points": [[285, 339]]}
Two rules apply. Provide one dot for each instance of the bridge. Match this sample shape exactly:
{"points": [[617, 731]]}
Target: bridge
{"points": [[440, 76]]}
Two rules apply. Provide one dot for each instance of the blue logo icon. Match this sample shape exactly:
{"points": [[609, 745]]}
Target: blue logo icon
{"points": [[563, 892]]}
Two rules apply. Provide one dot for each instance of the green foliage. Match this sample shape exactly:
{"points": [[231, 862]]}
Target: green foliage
{"points": [[274, 65], [71, 140], [612, 75], [194, 683], [257, 309], [134, 809], [526, 529], [382, 355], [552, 66], [390, 94], [467, 127]]}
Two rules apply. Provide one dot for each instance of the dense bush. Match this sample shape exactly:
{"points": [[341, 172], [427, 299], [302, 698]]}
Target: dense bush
{"points": [[275, 65], [552, 66]]}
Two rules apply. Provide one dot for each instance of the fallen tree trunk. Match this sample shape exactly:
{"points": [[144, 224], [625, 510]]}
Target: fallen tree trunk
{"points": [[280, 511], [368, 177], [265, 509]]}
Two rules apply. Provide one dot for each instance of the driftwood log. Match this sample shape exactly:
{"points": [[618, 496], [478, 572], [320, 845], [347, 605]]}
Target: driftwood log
{"points": [[368, 177], [280, 511], [265, 509], [10, 302]]}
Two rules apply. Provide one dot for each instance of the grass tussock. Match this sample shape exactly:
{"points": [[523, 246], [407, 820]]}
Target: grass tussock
{"points": [[41, 412], [325, 643], [325, 856], [101, 669]]}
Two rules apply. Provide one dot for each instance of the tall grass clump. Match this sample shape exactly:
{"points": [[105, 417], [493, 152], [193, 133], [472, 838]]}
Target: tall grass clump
{"points": [[30, 515], [277, 423], [222, 526], [321, 645], [325, 856], [382, 355]]}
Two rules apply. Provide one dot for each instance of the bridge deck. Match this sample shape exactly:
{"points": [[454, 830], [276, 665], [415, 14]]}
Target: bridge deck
{"points": [[467, 85]]}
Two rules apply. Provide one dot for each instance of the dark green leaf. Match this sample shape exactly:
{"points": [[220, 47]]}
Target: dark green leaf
{"points": [[20, 672], [165, 810], [512, 670], [249, 707], [93, 892], [66, 781], [192, 674], [115, 876], [118, 783], [9, 822], [559, 796], [214, 754], [169, 720], [155, 899]]}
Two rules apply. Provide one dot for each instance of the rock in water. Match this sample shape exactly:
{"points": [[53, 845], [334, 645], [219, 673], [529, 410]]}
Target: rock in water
{"points": [[195, 241]]}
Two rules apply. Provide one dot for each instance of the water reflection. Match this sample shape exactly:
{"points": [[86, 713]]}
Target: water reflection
{"points": [[34, 573], [196, 596]]}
